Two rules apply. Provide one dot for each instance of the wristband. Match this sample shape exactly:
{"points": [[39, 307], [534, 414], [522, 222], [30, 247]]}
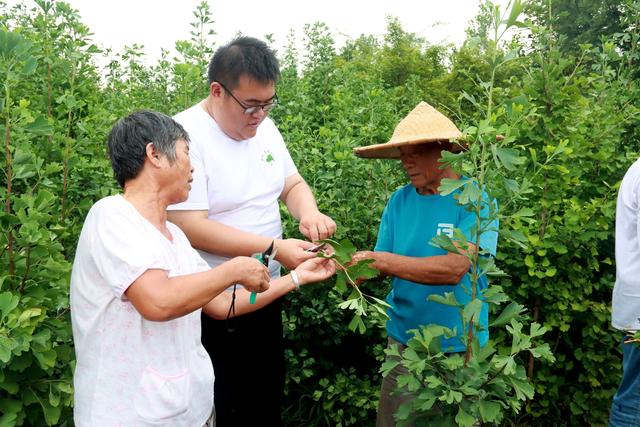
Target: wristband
{"points": [[294, 279]]}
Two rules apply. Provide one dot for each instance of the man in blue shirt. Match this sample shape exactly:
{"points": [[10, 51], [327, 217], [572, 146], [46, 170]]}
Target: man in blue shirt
{"points": [[414, 215]]}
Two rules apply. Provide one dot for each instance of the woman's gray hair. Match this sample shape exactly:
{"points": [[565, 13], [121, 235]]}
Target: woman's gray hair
{"points": [[129, 137]]}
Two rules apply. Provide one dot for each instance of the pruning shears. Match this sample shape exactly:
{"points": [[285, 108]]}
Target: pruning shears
{"points": [[264, 258]]}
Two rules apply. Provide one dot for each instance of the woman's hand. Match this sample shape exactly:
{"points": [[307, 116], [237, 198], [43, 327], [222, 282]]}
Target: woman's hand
{"points": [[251, 273]]}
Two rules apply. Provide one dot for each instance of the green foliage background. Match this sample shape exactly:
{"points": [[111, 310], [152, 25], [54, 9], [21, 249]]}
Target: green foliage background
{"points": [[580, 90]]}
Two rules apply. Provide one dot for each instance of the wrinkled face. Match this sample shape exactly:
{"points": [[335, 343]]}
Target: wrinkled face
{"points": [[178, 176], [248, 93], [421, 164]]}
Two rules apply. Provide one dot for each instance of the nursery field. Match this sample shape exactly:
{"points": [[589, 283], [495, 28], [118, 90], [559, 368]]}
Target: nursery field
{"points": [[561, 88]]}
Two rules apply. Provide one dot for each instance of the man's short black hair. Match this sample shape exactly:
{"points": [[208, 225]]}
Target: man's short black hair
{"points": [[243, 56], [129, 137]]}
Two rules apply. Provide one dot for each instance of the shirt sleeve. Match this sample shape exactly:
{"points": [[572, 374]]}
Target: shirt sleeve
{"points": [[636, 207], [198, 262], [489, 237], [385, 236], [288, 166], [121, 251]]}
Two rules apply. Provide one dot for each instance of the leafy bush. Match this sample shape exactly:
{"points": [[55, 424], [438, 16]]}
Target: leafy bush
{"points": [[580, 106]]}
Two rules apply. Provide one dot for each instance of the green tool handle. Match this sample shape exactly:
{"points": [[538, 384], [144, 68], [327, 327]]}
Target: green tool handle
{"points": [[254, 295]]}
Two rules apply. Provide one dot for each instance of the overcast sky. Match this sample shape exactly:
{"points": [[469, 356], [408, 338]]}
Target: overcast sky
{"points": [[158, 24]]}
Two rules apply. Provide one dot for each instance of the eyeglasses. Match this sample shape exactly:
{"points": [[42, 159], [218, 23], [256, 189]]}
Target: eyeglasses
{"points": [[248, 110]]}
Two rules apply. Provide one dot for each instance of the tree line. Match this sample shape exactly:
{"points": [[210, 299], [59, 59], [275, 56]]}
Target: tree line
{"points": [[565, 92]]}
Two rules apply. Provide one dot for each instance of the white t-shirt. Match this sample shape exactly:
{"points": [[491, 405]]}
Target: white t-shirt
{"points": [[237, 182], [626, 292], [131, 371]]}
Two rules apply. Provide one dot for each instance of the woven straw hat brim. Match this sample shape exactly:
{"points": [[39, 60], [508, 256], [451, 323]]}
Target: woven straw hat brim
{"points": [[390, 150], [424, 124]]}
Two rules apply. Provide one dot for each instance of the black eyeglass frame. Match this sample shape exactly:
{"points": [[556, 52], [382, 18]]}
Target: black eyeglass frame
{"points": [[248, 110]]}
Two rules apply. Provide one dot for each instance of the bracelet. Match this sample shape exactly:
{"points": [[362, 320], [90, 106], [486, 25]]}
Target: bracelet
{"points": [[294, 279]]}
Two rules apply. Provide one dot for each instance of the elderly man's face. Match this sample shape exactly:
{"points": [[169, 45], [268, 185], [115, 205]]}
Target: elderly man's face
{"points": [[421, 162]]}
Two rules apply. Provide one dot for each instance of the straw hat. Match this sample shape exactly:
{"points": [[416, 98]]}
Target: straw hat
{"points": [[422, 125]]}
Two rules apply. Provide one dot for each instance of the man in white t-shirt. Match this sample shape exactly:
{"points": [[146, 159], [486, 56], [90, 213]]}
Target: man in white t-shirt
{"points": [[242, 171], [138, 287], [625, 311]]}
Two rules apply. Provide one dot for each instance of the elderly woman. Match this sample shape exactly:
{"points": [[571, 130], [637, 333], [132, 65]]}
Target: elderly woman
{"points": [[138, 287]]}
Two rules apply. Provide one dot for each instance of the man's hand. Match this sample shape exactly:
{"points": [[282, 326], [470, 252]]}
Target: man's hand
{"points": [[317, 226], [251, 273], [291, 252], [362, 255], [315, 270]]}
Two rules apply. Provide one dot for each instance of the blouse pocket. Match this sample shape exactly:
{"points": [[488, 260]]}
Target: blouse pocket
{"points": [[162, 397]]}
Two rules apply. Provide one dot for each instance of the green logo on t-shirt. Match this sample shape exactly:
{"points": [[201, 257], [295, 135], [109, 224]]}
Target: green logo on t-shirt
{"points": [[267, 157]]}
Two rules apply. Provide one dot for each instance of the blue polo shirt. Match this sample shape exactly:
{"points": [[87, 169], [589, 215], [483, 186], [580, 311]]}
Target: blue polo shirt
{"points": [[408, 224]]}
